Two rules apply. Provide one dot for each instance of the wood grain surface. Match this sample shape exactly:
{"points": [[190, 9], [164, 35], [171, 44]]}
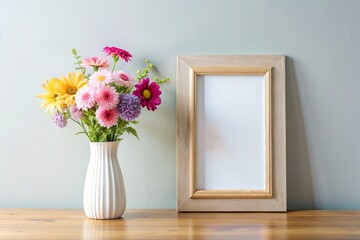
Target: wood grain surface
{"points": [[167, 224]]}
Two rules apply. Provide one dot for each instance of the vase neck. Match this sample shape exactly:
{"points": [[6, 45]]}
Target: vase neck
{"points": [[105, 144], [104, 150]]}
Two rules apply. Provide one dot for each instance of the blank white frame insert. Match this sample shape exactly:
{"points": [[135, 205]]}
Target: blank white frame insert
{"points": [[230, 149]]}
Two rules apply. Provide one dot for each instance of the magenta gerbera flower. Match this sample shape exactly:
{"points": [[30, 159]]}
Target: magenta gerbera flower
{"points": [[96, 62], [149, 94], [106, 97], [118, 52], [107, 117]]}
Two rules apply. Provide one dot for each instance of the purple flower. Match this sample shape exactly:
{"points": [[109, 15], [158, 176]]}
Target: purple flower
{"points": [[59, 119], [75, 113], [129, 107]]}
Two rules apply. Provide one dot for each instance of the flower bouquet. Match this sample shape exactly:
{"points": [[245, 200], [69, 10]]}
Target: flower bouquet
{"points": [[105, 104]]}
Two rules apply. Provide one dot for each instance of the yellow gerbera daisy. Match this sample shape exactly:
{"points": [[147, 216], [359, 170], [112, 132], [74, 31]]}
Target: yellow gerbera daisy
{"points": [[50, 97], [68, 86]]}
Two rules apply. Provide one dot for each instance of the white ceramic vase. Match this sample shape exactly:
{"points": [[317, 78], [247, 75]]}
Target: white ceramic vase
{"points": [[104, 190]]}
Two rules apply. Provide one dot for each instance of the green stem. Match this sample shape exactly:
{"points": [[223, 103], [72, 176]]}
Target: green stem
{"points": [[74, 52], [82, 126], [114, 134], [81, 68], [116, 59]]}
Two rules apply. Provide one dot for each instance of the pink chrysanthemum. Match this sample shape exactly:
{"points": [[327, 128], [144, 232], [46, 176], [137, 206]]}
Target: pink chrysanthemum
{"points": [[85, 98], [100, 77], [107, 117], [149, 94], [107, 97], [123, 79], [118, 53], [96, 62]]}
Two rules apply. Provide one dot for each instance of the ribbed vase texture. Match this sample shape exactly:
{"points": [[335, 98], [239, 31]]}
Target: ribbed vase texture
{"points": [[104, 190]]}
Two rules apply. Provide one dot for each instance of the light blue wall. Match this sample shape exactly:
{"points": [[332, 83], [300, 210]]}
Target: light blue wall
{"points": [[43, 166]]}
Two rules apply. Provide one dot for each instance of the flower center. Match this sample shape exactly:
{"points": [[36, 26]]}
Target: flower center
{"points": [[63, 106], [71, 90], [108, 115], [107, 96], [101, 78], [124, 77], [85, 97], [146, 93]]}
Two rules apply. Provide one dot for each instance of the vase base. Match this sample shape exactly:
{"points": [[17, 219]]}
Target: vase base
{"points": [[113, 218]]}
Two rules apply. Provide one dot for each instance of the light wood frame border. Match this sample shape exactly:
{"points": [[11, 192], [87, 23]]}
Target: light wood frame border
{"points": [[274, 197]]}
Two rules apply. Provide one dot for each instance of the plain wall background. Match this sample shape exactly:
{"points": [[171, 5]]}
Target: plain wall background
{"points": [[44, 166]]}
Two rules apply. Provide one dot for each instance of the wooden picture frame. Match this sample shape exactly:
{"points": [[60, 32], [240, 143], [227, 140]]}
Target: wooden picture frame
{"points": [[195, 72]]}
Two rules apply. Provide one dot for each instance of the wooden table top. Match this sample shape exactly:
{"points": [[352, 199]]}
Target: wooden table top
{"points": [[167, 224]]}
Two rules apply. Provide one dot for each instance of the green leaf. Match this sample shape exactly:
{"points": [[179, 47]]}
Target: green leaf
{"points": [[132, 131]]}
